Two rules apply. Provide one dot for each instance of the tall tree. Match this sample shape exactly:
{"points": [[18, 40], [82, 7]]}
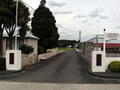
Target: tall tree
{"points": [[23, 18], [44, 26], [5, 14]]}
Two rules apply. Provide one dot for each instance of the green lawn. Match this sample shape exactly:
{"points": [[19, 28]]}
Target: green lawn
{"points": [[63, 48]]}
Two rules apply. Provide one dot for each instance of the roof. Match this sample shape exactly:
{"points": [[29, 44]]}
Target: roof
{"points": [[109, 45], [99, 38], [28, 35]]}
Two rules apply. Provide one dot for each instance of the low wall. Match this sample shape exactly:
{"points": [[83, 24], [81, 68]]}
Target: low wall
{"points": [[86, 50], [28, 59], [32, 59], [49, 54]]}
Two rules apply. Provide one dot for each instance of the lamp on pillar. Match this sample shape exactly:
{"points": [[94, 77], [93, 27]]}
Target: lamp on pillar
{"points": [[104, 43], [79, 39]]}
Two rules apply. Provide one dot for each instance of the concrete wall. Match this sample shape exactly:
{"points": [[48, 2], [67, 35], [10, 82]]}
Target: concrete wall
{"points": [[28, 60], [4, 47], [86, 50], [49, 54], [31, 58]]}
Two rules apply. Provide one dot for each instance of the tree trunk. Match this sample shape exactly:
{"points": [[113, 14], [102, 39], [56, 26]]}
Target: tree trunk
{"points": [[10, 40], [1, 44], [1, 40]]}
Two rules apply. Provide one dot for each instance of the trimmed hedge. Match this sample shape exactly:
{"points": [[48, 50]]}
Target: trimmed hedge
{"points": [[2, 63], [114, 66], [26, 49]]}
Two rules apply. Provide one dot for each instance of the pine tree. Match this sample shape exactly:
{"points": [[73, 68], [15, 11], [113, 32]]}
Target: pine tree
{"points": [[44, 26]]}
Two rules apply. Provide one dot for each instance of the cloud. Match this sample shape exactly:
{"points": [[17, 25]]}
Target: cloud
{"points": [[96, 14], [62, 12], [87, 37], [117, 27], [58, 3], [80, 16], [103, 17], [97, 21], [85, 21]]}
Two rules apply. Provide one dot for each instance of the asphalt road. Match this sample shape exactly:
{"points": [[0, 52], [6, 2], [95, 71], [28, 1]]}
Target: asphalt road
{"points": [[68, 67]]}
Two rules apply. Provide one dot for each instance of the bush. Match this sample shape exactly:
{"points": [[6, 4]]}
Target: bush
{"points": [[26, 49], [114, 66], [2, 63], [41, 50]]}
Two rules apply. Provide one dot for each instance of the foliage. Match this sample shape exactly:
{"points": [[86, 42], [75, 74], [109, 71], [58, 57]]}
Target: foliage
{"points": [[2, 63], [44, 26], [41, 50], [65, 43], [43, 2], [23, 19], [27, 49], [63, 48], [114, 66], [5, 14]]}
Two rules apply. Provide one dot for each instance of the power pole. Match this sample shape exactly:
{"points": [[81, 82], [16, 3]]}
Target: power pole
{"points": [[79, 39], [16, 24]]}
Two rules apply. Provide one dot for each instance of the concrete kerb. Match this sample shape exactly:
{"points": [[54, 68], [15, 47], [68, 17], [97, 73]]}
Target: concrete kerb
{"points": [[104, 74], [10, 74]]}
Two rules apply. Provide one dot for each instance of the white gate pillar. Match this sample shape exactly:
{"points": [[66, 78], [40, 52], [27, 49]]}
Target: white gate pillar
{"points": [[13, 59], [98, 61]]}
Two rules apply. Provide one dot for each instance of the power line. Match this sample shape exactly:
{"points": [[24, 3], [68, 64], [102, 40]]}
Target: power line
{"points": [[27, 5], [57, 24], [65, 28]]}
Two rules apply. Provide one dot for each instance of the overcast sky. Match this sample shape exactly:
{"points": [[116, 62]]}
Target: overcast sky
{"points": [[89, 16]]}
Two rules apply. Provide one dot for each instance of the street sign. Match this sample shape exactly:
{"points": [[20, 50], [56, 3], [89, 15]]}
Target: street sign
{"points": [[113, 36]]}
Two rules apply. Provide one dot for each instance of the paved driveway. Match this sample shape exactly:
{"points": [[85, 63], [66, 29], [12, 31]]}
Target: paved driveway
{"points": [[68, 67]]}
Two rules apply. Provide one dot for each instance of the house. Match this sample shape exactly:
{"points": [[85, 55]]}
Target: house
{"points": [[29, 39]]}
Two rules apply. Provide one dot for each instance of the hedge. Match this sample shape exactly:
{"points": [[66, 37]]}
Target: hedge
{"points": [[114, 66]]}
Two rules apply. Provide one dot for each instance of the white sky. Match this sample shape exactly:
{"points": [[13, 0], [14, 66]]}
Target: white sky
{"points": [[89, 16]]}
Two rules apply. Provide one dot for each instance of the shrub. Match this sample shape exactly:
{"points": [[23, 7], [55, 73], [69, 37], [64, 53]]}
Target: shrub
{"points": [[2, 63], [26, 49], [41, 50], [114, 66]]}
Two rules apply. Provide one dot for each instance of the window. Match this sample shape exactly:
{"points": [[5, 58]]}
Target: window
{"points": [[19, 43], [8, 44]]}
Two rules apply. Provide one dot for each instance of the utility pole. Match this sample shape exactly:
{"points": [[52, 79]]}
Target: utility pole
{"points": [[79, 39], [16, 24]]}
